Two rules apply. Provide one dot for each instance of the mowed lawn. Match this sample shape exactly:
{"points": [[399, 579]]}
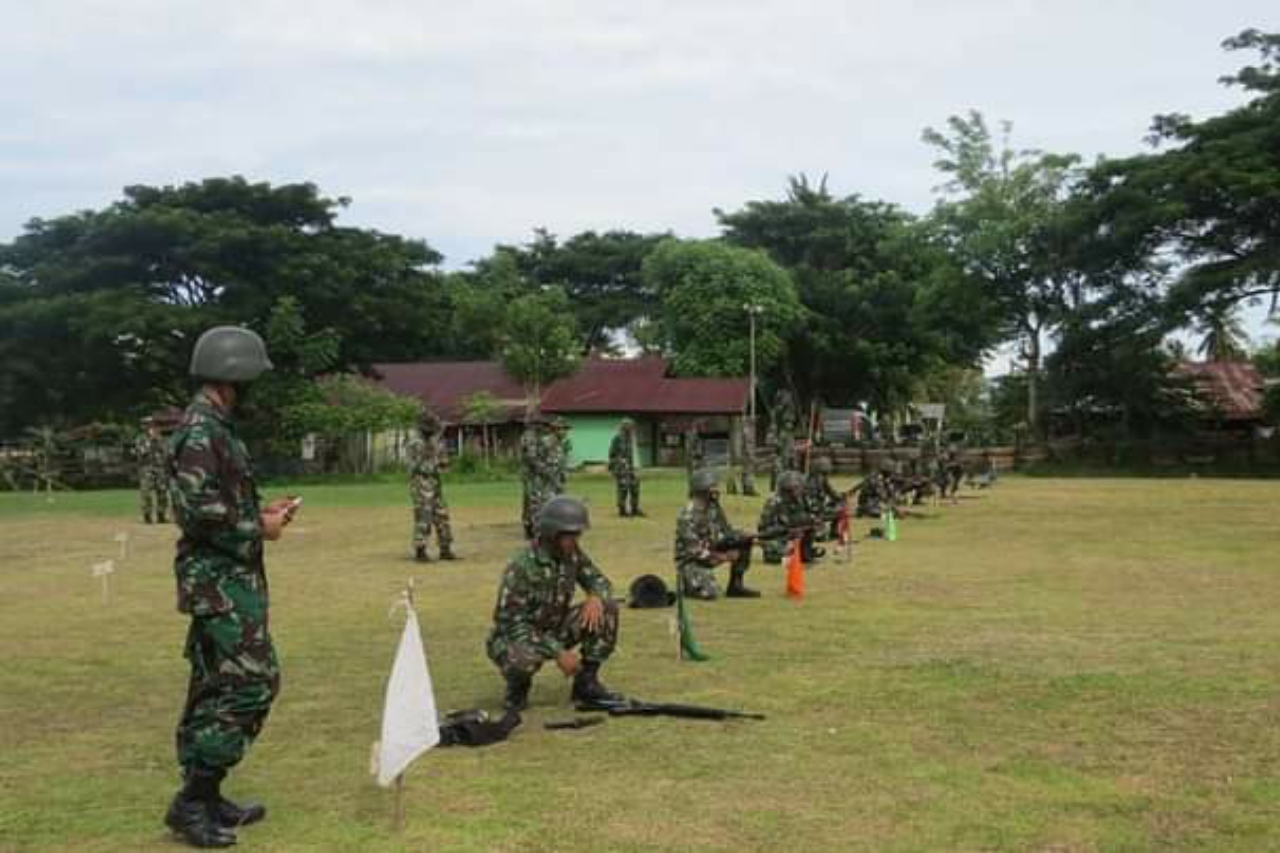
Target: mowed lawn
{"points": [[1051, 664]]}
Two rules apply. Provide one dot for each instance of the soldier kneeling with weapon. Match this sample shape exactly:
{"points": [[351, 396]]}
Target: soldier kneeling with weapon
{"points": [[705, 539]]}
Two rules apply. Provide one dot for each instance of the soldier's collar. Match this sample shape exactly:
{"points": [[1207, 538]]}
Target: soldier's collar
{"points": [[214, 407]]}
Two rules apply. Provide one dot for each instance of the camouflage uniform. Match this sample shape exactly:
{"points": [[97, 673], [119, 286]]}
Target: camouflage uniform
{"points": [[533, 620], [153, 477], [695, 453], [623, 468], [954, 471], [699, 527], [823, 501], [785, 418], [222, 585], [748, 457], [781, 514], [555, 452], [429, 507], [537, 477]]}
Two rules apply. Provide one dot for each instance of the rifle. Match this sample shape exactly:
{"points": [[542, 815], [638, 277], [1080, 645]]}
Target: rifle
{"points": [[786, 532], [739, 542], [640, 708]]}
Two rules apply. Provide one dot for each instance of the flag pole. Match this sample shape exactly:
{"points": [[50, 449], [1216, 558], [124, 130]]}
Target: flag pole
{"points": [[398, 819]]}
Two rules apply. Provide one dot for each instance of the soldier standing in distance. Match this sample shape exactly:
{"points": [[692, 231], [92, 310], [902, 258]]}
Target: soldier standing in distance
{"points": [[622, 466], [222, 586], [784, 411], [700, 529], [535, 474], [426, 462], [153, 475], [534, 620], [556, 453], [695, 453]]}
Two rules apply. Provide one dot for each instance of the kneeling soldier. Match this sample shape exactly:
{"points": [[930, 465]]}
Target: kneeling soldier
{"points": [[533, 621], [705, 539], [786, 516]]}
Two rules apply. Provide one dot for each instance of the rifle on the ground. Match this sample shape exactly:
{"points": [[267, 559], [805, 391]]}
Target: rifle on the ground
{"points": [[640, 708]]}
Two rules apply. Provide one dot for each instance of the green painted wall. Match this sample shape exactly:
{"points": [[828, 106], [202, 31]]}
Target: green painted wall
{"points": [[591, 434]]}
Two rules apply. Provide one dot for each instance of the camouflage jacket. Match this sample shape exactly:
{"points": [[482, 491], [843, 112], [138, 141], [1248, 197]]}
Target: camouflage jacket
{"points": [[781, 514], [536, 594], [555, 460], [621, 459], [151, 452], [425, 462], [217, 507], [694, 452], [698, 527], [820, 496]]}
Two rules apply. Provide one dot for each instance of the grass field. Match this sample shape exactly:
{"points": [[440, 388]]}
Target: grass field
{"points": [[1052, 664]]}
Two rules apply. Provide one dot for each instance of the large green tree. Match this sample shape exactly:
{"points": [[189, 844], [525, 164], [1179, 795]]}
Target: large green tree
{"points": [[98, 309], [1209, 200], [1004, 216], [884, 303], [600, 273], [539, 341], [704, 288]]}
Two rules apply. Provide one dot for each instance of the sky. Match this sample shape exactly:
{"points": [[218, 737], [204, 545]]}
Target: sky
{"points": [[471, 124]]}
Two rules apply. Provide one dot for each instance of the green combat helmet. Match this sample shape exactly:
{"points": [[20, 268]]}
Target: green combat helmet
{"points": [[562, 514], [627, 424], [790, 481], [229, 354], [703, 481]]}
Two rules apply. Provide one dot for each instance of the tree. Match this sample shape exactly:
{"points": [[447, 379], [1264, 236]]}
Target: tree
{"points": [[600, 272], [1208, 201], [539, 341], [344, 405], [884, 303], [1003, 214], [703, 288], [132, 284], [1224, 335]]}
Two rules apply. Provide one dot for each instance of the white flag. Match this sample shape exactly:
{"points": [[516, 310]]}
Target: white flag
{"points": [[409, 726]]}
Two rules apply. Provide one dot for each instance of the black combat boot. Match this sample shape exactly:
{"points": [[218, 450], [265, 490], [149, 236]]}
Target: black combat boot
{"points": [[589, 692], [446, 553], [517, 698], [231, 815], [420, 554], [192, 815], [737, 589]]}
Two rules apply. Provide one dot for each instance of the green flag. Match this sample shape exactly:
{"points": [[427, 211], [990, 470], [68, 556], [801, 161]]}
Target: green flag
{"points": [[689, 648]]}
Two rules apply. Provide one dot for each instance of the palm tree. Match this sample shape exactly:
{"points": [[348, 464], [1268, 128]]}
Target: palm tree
{"points": [[1224, 335]]}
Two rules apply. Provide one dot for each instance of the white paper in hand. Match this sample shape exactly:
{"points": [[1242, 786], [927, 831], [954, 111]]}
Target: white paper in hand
{"points": [[409, 725]]}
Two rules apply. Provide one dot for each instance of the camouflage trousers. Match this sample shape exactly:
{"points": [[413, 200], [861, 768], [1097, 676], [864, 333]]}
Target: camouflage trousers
{"points": [[153, 495], [516, 658], [628, 489], [699, 581], [431, 512], [535, 495], [234, 679]]}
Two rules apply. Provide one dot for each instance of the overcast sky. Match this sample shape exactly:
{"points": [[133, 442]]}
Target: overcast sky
{"points": [[467, 124]]}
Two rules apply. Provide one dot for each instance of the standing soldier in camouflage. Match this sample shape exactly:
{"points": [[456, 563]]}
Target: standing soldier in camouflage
{"points": [[622, 465], [556, 454], [536, 475], [222, 586], [534, 620], [705, 539], [153, 472], [695, 453], [748, 457], [784, 412], [786, 517], [426, 462]]}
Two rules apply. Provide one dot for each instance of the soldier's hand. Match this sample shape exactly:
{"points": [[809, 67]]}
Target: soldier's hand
{"points": [[592, 615], [569, 662], [272, 523]]}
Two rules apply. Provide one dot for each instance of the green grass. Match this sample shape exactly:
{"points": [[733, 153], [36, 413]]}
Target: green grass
{"points": [[1053, 664]]}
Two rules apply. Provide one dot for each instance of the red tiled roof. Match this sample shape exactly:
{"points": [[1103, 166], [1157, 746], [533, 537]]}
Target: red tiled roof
{"points": [[1232, 389], [444, 386], [641, 385], [600, 385]]}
